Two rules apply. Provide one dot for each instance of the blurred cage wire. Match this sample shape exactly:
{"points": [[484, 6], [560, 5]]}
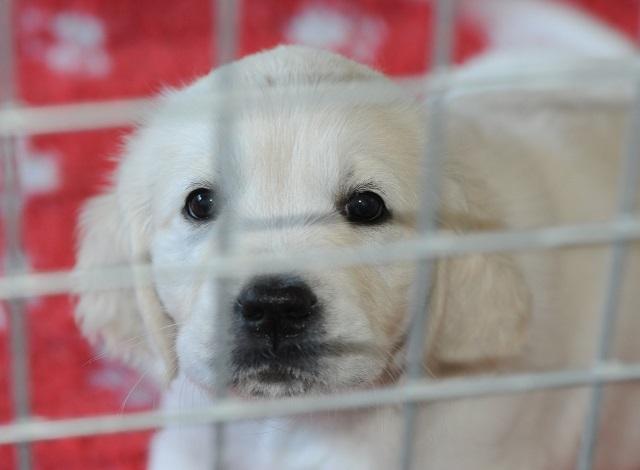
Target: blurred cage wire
{"points": [[17, 284]]}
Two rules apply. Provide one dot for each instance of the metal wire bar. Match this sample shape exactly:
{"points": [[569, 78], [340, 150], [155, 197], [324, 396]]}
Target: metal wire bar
{"points": [[628, 185], [14, 261], [226, 21], [431, 174], [235, 410], [32, 120], [226, 18], [7, 62], [432, 246]]}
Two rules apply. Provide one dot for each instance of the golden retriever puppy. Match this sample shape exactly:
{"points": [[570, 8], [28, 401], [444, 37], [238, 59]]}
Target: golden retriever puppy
{"points": [[319, 152]]}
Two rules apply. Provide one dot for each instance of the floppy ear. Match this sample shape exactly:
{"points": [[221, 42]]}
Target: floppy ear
{"points": [[130, 323], [481, 305]]}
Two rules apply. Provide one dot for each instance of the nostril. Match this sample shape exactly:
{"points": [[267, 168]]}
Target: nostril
{"points": [[250, 311], [298, 312]]}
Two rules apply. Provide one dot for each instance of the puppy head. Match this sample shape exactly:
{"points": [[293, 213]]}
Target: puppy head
{"points": [[305, 170]]}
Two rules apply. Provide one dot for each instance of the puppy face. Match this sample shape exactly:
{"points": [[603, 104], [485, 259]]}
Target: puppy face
{"points": [[301, 176], [304, 170]]}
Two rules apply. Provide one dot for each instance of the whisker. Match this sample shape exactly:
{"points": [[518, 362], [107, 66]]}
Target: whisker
{"points": [[126, 398], [132, 341]]}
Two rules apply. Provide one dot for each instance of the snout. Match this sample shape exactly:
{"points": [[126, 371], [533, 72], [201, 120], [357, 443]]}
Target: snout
{"points": [[278, 334], [277, 309]]}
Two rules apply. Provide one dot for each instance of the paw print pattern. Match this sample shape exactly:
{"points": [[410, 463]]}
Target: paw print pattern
{"points": [[68, 42], [355, 34]]}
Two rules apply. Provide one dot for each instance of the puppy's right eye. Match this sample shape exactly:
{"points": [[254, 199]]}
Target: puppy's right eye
{"points": [[199, 205]]}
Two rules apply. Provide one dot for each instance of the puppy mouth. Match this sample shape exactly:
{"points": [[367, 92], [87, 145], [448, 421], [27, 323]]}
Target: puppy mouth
{"points": [[277, 374], [273, 382], [291, 370], [288, 371]]}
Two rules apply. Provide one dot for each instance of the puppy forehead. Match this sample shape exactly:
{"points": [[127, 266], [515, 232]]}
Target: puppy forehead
{"points": [[320, 150], [297, 149], [278, 148]]}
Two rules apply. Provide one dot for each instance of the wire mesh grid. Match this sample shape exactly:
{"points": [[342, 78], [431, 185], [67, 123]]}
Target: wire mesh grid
{"points": [[17, 284]]}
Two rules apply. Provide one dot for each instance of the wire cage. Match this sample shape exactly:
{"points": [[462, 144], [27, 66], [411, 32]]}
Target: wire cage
{"points": [[18, 283]]}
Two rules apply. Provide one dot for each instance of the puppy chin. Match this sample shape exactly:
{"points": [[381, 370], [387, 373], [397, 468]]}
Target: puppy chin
{"points": [[274, 382]]}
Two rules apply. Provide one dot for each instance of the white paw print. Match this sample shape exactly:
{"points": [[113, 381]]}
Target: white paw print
{"points": [[38, 170], [358, 36], [69, 42]]}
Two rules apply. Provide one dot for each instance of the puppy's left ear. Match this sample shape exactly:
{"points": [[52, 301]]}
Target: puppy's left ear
{"points": [[481, 305]]}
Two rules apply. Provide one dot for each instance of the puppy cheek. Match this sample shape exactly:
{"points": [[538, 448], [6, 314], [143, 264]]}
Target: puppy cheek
{"points": [[399, 279], [355, 370], [193, 356], [347, 324], [177, 293], [176, 298], [382, 293], [201, 345], [344, 321]]}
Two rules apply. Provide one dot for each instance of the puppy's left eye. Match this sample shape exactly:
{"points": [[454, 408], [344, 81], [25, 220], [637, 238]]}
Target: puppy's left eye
{"points": [[365, 208], [199, 205]]}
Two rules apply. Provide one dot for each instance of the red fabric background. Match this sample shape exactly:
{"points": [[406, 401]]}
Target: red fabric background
{"points": [[148, 44]]}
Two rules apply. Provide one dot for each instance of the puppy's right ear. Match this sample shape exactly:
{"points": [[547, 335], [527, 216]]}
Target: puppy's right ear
{"points": [[128, 323]]}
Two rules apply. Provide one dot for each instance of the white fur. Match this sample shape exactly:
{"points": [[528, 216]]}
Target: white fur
{"points": [[516, 159]]}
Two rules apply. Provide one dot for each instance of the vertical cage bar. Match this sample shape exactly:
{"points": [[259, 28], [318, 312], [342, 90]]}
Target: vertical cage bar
{"points": [[628, 184], [14, 263], [7, 60], [14, 259], [432, 161], [226, 35]]}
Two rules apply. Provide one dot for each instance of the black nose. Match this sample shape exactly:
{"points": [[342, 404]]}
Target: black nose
{"points": [[277, 307]]}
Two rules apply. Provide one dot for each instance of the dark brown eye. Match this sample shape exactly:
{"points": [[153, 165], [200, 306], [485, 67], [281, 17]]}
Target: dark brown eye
{"points": [[365, 208], [199, 205]]}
